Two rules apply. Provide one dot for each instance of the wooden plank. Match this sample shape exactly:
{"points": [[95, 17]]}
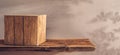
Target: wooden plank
{"points": [[34, 29], [41, 29], [55, 45], [19, 30], [30, 30], [9, 29]]}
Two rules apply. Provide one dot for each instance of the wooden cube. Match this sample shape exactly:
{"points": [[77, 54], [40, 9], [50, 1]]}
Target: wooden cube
{"points": [[25, 29]]}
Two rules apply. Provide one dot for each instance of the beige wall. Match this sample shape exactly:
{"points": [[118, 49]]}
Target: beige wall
{"points": [[97, 20]]}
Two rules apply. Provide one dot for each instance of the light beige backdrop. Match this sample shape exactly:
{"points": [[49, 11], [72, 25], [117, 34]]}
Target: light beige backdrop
{"points": [[98, 20]]}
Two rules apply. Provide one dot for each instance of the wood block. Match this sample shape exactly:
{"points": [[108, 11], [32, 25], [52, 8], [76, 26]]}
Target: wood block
{"points": [[9, 29], [26, 30]]}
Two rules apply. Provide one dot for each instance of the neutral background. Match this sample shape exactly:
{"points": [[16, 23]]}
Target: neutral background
{"points": [[98, 20]]}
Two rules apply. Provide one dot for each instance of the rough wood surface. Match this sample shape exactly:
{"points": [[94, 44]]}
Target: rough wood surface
{"points": [[41, 29], [55, 45], [25, 30], [9, 29], [30, 30], [19, 30]]}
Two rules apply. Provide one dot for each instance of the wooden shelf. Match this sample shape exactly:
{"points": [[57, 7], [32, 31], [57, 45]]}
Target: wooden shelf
{"points": [[53, 45]]}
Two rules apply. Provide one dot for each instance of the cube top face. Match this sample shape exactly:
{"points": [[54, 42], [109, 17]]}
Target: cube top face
{"points": [[25, 29]]}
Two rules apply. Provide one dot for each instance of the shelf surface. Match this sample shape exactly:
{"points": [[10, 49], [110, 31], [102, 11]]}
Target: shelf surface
{"points": [[53, 45]]}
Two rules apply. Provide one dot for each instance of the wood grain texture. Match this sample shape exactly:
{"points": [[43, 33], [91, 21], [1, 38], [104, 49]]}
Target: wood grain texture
{"points": [[30, 30], [55, 45], [41, 29], [26, 30], [19, 30], [9, 29]]}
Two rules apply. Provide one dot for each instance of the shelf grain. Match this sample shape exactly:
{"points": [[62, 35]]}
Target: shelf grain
{"points": [[53, 45]]}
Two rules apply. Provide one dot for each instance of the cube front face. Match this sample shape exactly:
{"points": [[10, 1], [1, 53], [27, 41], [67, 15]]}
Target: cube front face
{"points": [[25, 30]]}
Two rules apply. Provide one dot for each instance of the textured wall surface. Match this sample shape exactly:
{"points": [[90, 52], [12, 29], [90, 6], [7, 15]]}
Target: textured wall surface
{"points": [[98, 20]]}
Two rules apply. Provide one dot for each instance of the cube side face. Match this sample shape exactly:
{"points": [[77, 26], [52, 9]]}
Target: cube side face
{"points": [[41, 29], [9, 29], [30, 30], [19, 30]]}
